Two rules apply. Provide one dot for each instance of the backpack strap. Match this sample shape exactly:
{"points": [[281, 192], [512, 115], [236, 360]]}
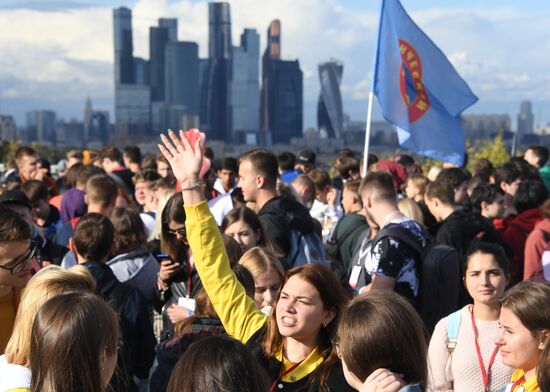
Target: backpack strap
{"points": [[345, 234], [402, 235], [453, 325]]}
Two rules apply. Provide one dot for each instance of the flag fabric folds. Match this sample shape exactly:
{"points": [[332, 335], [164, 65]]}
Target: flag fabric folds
{"points": [[418, 89]]}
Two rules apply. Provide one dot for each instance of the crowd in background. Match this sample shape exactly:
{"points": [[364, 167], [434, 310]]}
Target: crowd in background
{"points": [[183, 271]]}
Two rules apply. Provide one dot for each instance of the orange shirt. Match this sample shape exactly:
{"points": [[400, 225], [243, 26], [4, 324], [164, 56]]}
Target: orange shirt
{"points": [[8, 310]]}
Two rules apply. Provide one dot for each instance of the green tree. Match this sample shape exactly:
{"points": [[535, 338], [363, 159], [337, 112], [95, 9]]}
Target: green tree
{"points": [[495, 151]]}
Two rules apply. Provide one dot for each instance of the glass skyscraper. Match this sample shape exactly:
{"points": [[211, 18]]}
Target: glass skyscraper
{"points": [[330, 115], [124, 60]]}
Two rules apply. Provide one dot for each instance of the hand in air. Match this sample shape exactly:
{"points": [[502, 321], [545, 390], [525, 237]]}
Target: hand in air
{"points": [[185, 159], [382, 380]]}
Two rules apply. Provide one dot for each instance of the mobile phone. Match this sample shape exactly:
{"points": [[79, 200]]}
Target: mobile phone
{"points": [[163, 256]]}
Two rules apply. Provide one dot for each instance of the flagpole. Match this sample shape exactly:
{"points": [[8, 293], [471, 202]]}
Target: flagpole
{"points": [[367, 133]]}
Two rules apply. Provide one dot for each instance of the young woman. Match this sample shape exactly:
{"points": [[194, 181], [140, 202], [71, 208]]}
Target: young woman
{"points": [[244, 226], [218, 364], [73, 344], [463, 355], [47, 283], [268, 274], [294, 343], [382, 344], [524, 339]]}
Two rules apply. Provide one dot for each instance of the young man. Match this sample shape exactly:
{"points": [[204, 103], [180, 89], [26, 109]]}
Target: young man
{"points": [[227, 174], [29, 168], [391, 264], [143, 183], [350, 227], [112, 163], [132, 158], [163, 167], [258, 180], [509, 178], [305, 161], [537, 156], [16, 255], [305, 188], [100, 197], [457, 227], [287, 162], [457, 179], [92, 243], [326, 207]]}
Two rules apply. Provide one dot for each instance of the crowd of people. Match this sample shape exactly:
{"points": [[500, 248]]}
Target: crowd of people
{"points": [[182, 272]]}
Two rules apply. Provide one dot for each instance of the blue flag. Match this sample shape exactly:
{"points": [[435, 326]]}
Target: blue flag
{"points": [[418, 89]]}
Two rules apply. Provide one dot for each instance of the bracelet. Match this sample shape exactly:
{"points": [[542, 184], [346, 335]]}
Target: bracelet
{"points": [[194, 187]]}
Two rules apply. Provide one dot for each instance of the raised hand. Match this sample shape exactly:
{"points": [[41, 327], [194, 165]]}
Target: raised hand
{"points": [[185, 160], [382, 380]]}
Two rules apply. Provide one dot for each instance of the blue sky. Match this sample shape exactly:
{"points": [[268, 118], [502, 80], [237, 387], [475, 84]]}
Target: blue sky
{"points": [[56, 53]]}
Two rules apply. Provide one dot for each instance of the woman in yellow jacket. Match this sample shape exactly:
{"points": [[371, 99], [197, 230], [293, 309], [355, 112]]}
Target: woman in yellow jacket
{"points": [[294, 343], [525, 334]]}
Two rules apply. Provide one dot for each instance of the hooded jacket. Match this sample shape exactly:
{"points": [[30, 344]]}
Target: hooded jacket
{"points": [[139, 269]]}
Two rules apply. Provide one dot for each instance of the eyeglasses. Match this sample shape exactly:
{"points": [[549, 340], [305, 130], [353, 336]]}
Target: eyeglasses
{"points": [[182, 231], [16, 265]]}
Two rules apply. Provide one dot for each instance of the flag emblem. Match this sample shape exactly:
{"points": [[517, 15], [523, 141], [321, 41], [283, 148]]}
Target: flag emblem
{"points": [[413, 92]]}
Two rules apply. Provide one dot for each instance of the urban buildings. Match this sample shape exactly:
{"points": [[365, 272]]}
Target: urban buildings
{"points": [[526, 121], [8, 129], [485, 126], [330, 112], [124, 49], [244, 91], [41, 127], [282, 92]]}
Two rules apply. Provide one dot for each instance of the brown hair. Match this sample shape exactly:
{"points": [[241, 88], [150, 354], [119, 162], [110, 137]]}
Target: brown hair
{"points": [[111, 153], [218, 363], [129, 230], [232, 248], [12, 226], [169, 244], [101, 189], [320, 178], [528, 301], [442, 191], [382, 330], [93, 237], [24, 151], [69, 335], [258, 260], [265, 164], [203, 308], [379, 185], [146, 176], [420, 181], [76, 154], [332, 295], [248, 216], [353, 187], [36, 191]]}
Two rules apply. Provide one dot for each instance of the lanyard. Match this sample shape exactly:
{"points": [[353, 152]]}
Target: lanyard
{"points": [[516, 384], [484, 373], [284, 374]]}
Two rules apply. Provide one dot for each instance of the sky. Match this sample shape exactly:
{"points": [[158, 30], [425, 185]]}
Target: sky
{"points": [[54, 54]]}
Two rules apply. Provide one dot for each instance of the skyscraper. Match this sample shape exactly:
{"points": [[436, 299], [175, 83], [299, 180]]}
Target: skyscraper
{"points": [[182, 75], [330, 115], [41, 126], [172, 25], [282, 92], [158, 37], [216, 74], [124, 60], [526, 120], [245, 88], [141, 71]]}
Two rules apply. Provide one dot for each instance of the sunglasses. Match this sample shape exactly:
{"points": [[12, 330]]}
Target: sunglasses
{"points": [[16, 265], [182, 232]]}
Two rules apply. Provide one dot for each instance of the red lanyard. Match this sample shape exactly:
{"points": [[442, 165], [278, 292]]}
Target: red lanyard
{"points": [[284, 374], [484, 373], [518, 382]]}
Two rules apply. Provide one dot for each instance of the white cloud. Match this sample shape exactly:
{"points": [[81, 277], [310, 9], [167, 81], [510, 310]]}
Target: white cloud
{"points": [[64, 55]]}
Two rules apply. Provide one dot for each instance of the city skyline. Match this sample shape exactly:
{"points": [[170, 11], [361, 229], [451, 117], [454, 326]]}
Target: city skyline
{"points": [[492, 47]]}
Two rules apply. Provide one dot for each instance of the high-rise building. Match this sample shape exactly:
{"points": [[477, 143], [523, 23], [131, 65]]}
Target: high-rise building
{"points": [[282, 92], [182, 75], [141, 71], [485, 126], [216, 74], [41, 126], [133, 110], [158, 37], [526, 120], [172, 25], [245, 88], [88, 116], [124, 61], [330, 114], [8, 129]]}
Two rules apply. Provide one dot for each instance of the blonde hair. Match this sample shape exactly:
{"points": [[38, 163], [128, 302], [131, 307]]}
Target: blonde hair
{"points": [[258, 260], [47, 283], [410, 209]]}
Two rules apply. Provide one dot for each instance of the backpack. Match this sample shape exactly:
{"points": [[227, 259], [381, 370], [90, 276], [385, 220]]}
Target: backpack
{"points": [[122, 379], [305, 249], [439, 272], [333, 246]]}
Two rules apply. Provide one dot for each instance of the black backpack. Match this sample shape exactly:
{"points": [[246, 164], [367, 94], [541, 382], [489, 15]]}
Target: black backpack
{"points": [[332, 249], [122, 380], [439, 271]]}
